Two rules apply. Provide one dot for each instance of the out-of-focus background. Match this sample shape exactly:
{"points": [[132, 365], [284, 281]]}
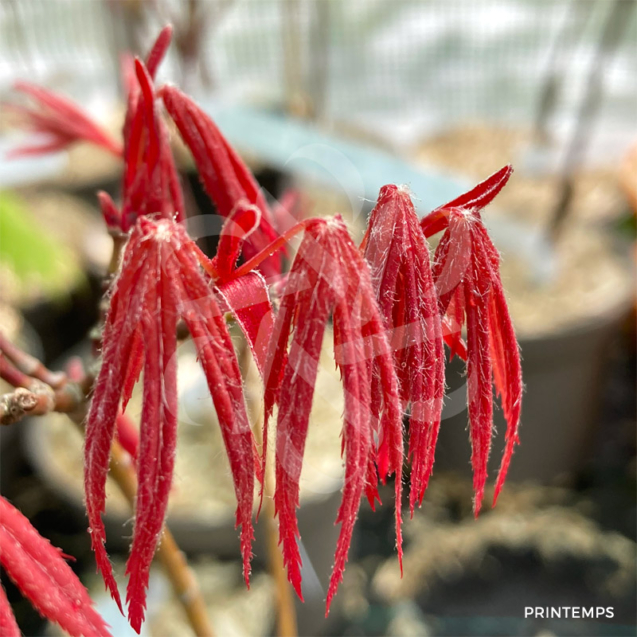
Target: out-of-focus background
{"points": [[335, 98]]}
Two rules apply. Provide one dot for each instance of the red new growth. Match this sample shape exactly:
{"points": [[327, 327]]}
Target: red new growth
{"points": [[390, 311], [329, 276], [38, 569], [246, 296], [159, 281], [475, 199], [150, 184], [397, 252], [225, 176], [61, 120], [466, 272]]}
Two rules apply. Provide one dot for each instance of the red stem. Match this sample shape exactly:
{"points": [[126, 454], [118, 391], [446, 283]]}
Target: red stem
{"points": [[29, 365], [13, 376], [269, 250]]}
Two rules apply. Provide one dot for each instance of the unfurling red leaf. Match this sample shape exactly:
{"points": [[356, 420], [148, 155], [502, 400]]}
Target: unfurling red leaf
{"points": [[476, 199], [329, 276], [134, 301], [38, 569], [207, 325], [248, 299], [466, 272], [159, 281], [397, 253], [61, 120], [243, 220], [246, 296], [226, 178], [158, 50], [151, 183]]}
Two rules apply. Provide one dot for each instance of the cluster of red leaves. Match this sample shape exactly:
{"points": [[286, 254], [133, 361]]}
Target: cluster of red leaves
{"points": [[390, 311], [329, 276], [38, 569], [161, 280], [467, 275], [150, 183]]}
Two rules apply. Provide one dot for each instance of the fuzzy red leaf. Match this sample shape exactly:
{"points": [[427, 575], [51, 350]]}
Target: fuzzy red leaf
{"points": [[128, 74], [505, 357], [151, 183], [398, 255], [475, 200], [158, 50], [8, 625], [225, 176], [134, 297], [246, 296], [158, 430], [124, 315], [38, 569], [206, 323], [466, 272], [160, 280], [62, 120], [328, 276]]}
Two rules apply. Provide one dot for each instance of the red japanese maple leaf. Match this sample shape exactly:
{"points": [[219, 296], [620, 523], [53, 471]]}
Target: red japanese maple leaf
{"points": [[160, 280], [226, 178], [38, 569], [330, 276], [62, 121], [398, 255], [466, 272], [151, 182]]}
